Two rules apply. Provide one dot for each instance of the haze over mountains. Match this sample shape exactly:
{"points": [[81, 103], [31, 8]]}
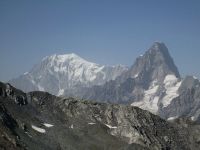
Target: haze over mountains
{"points": [[152, 83]]}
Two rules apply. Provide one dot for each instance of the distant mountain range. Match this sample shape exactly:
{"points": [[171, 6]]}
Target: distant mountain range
{"points": [[152, 83]]}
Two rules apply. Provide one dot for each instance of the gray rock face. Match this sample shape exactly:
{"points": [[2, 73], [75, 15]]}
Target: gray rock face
{"points": [[57, 73], [155, 64], [50, 122]]}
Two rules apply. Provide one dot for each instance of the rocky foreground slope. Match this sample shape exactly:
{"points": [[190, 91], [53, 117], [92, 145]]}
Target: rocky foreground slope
{"points": [[38, 120]]}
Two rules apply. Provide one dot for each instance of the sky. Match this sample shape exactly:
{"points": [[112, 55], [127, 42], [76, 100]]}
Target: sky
{"points": [[107, 32]]}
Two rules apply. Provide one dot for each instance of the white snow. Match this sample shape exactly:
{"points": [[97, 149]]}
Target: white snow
{"points": [[172, 118], [77, 68], [91, 123], [136, 75], [171, 85], [111, 127], [48, 125], [195, 116], [170, 80], [195, 77], [148, 104], [150, 99], [69, 71], [61, 92], [72, 126], [40, 88], [25, 73], [77, 65], [38, 129], [192, 118]]}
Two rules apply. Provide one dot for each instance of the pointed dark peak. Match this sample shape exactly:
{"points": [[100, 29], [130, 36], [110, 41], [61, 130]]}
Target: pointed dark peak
{"points": [[155, 64], [160, 57], [158, 45], [158, 48]]}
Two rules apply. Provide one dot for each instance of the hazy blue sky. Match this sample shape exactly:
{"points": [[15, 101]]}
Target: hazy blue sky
{"points": [[103, 31]]}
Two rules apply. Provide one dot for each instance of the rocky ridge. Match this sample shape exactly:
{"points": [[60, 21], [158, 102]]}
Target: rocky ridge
{"points": [[33, 120]]}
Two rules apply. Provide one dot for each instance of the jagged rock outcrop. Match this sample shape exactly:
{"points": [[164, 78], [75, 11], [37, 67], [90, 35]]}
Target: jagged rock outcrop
{"points": [[50, 122]]}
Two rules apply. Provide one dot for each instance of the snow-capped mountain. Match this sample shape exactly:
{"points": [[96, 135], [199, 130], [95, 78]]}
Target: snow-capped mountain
{"points": [[153, 75], [58, 73], [162, 79]]}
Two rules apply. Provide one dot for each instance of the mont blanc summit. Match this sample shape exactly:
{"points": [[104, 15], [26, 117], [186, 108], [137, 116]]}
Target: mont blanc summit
{"points": [[58, 73]]}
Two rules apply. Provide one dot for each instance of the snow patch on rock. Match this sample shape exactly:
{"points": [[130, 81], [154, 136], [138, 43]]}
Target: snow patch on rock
{"points": [[111, 127], [150, 99], [172, 118], [171, 85], [38, 129], [193, 118], [72, 126], [195, 77], [48, 125], [91, 123], [136, 75], [61, 92]]}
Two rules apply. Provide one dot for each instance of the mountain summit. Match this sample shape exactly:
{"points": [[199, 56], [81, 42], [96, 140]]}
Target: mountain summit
{"points": [[58, 73], [156, 63]]}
